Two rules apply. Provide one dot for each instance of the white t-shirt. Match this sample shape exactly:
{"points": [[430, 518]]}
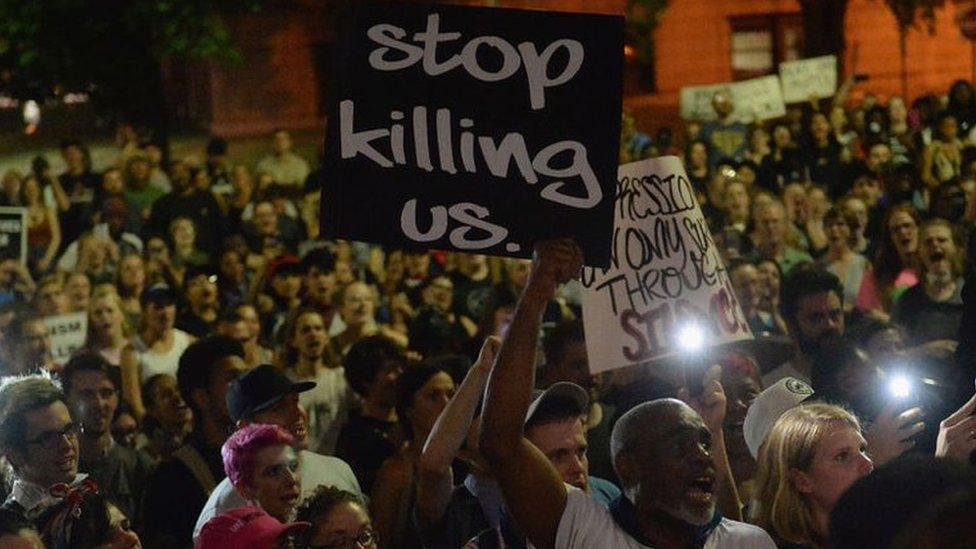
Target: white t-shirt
{"points": [[316, 470], [783, 370], [585, 523], [328, 408], [151, 363]]}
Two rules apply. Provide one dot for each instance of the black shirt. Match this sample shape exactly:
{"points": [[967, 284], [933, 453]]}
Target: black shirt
{"points": [[925, 320], [121, 476], [364, 444], [200, 206], [174, 498]]}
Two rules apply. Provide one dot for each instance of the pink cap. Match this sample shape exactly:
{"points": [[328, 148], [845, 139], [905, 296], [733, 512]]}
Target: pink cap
{"points": [[248, 526]]}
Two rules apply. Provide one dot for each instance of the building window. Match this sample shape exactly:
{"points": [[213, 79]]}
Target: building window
{"points": [[761, 42]]}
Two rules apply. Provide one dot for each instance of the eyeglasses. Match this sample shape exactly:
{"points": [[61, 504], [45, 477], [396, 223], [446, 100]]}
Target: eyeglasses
{"points": [[366, 538], [51, 439], [103, 394]]}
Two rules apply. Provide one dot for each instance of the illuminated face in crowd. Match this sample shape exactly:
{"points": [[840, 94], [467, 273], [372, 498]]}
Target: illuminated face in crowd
{"points": [[698, 155], [748, 287], [51, 300], [105, 315], [937, 250], [358, 305], [819, 317], [50, 447], [839, 460], [771, 224], [903, 232], [78, 291], [275, 481], [132, 273], [94, 399], [737, 201], [838, 232], [310, 336], [564, 445], [346, 525]]}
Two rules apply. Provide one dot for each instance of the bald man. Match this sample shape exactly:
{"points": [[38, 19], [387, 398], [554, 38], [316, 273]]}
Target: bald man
{"points": [[661, 451]]}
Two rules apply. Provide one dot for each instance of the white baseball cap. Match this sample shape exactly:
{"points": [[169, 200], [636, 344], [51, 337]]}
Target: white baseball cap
{"points": [[563, 389], [778, 398]]}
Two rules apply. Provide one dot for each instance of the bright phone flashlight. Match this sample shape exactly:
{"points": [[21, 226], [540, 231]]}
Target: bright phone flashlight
{"points": [[900, 387], [691, 338]]}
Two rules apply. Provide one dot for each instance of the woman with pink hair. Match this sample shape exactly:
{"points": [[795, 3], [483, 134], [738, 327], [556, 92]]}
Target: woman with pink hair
{"points": [[262, 466]]}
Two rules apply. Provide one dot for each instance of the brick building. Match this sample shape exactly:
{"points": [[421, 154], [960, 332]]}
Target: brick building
{"points": [[287, 46]]}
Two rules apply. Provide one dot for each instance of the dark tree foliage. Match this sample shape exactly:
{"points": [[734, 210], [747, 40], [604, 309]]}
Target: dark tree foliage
{"points": [[111, 49]]}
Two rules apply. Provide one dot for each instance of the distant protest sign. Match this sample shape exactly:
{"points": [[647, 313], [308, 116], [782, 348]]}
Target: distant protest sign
{"points": [[806, 78], [13, 234], [759, 98], [474, 129], [67, 334], [753, 100], [665, 273], [696, 101]]}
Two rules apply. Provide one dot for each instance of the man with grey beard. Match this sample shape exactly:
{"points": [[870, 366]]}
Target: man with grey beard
{"points": [[662, 450], [932, 309]]}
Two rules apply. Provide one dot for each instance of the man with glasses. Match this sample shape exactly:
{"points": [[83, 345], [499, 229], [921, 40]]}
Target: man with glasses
{"points": [[39, 440], [91, 386]]}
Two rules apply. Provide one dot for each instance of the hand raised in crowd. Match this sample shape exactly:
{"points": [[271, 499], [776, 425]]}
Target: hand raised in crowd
{"points": [[957, 433], [554, 262], [710, 404], [489, 350], [891, 433]]}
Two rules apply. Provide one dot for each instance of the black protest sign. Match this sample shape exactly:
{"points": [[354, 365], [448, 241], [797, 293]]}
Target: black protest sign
{"points": [[474, 129], [13, 234]]}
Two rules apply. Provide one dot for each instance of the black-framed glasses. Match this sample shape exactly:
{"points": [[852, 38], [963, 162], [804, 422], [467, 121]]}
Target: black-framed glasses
{"points": [[367, 538], [51, 439]]}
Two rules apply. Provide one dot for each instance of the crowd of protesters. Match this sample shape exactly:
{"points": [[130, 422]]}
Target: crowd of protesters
{"points": [[247, 383]]}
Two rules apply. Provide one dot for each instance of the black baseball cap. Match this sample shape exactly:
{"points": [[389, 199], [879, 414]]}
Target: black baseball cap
{"points": [[158, 293], [260, 389]]}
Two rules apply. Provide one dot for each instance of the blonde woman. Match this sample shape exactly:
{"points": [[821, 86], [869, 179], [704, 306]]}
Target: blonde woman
{"points": [[108, 335], [108, 330], [810, 458]]}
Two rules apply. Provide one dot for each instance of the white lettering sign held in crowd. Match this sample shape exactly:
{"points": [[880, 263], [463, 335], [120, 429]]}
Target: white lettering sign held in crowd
{"points": [[13, 234], [754, 100], [807, 78], [67, 333], [474, 129], [666, 273]]}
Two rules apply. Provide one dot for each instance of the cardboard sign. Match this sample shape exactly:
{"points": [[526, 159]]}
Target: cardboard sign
{"points": [[67, 333], [759, 99], [666, 274], [806, 78], [13, 234], [474, 129], [696, 101], [753, 100]]}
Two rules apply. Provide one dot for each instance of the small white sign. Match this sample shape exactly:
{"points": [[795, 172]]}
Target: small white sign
{"points": [[67, 334], [809, 78]]}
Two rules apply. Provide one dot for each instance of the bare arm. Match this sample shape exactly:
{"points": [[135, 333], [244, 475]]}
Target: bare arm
{"points": [[927, 158], [533, 491], [711, 406], [60, 197], [435, 478], [844, 91], [55, 243], [391, 484], [131, 391]]}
